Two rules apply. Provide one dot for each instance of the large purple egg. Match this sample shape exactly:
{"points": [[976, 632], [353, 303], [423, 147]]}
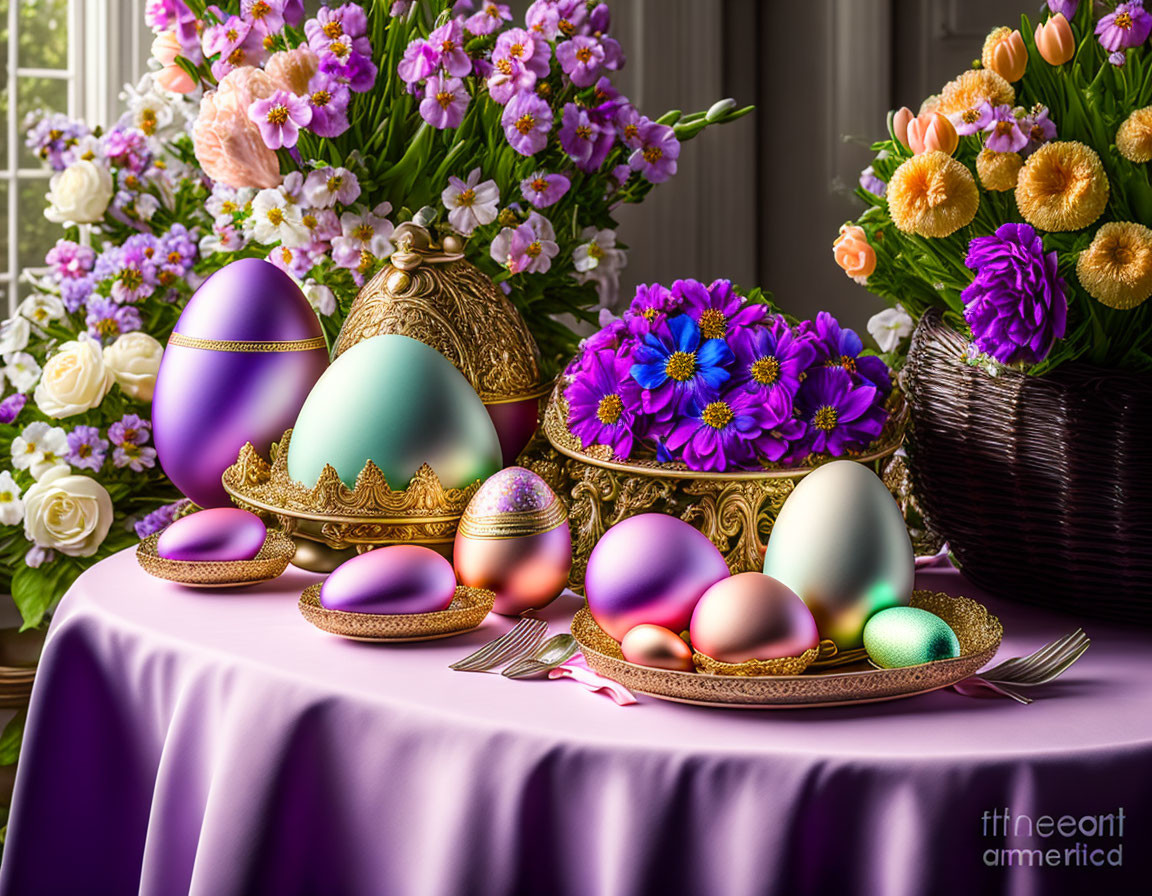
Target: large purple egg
{"points": [[650, 568], [242, 358], [400, 578], [752, 616], [220, 533]]}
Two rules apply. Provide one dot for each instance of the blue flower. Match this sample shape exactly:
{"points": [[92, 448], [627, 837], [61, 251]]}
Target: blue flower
{"points": [[677, 370]]}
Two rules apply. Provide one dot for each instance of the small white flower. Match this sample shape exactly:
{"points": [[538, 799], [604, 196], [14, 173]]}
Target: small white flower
{"points": [[597, 260], [228, 201], [225, 237], [327, 186], [148, 110], [40, 308], [11, 507], [470, 203], [86, 149], [292, 188], [14, 334], [38, 556], [275, 220], [22, 370], [39, 448], [146, 206], [890, 327], [319, 296]]}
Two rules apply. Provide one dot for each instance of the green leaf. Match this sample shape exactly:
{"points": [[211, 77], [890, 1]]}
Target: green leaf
{"points": [[11, 737], [37, 591]]}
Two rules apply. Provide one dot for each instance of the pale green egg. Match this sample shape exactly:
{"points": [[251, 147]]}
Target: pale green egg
{"points": [[908, 636], [400, 403]]}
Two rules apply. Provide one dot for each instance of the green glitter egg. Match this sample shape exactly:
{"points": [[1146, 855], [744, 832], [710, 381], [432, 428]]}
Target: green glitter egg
{"points": [[908, 636], [394, 400]]}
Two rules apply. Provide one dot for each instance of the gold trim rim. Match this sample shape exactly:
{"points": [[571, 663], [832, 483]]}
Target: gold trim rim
{"points": [[516, 525], [240, 345], [534, 394]]}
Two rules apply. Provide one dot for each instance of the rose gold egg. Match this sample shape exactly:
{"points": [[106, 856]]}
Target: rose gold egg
{"points": [[752, 616], [653, 645]]}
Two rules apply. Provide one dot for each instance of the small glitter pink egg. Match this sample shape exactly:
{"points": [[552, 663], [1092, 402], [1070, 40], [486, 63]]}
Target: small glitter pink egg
{"points": [[400, 578], [215, 534]]}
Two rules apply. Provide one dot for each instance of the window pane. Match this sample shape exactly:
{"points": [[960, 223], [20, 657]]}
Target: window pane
{"points": [[36, 233], [33, 94], [43, 33], [3, 123], [3, 233]]}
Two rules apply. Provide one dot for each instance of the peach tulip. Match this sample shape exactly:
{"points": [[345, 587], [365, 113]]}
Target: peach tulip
{"points": [[1055, 40], [930, 131], [854, 253], [227, 142], [165, 49], [1005, 54], [900, 120], [293, 69]]}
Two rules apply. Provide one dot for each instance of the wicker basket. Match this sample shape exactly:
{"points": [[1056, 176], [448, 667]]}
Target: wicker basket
{"points": [[1041, 485]]}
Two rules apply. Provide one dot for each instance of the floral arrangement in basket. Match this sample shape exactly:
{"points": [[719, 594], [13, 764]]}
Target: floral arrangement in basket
{"points": [[323, 134], [718, 381], [1018, 199]]}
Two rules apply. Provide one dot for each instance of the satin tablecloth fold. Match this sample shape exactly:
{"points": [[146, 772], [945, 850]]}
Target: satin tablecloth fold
{"points": [[213, 743]]}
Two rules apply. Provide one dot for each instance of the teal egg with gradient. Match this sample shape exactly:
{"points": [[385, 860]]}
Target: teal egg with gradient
{"points": [[909, 636], [840, 543], [399, 403]]}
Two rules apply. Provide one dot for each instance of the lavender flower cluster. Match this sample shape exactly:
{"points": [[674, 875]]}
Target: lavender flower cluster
{"points": [[701, 375]]}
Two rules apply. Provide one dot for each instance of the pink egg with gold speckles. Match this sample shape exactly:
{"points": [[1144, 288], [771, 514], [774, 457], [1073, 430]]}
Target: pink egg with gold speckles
{"points": [[514, 540], [215, 534]]}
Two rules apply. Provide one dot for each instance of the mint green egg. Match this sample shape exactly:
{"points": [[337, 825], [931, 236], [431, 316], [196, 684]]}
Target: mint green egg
{"points": [[400, 403], [908, 636]]}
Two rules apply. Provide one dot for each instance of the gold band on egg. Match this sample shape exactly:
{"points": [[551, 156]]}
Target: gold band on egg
{"points": [[232, 345], [515, 525]]}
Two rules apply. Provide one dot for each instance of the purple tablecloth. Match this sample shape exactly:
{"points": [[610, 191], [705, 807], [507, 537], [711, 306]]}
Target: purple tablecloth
{"points": [[214, 743]]}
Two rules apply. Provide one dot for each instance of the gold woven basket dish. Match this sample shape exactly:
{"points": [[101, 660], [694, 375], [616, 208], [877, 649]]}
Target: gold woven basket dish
{"points": [[273, 559], [977, 630], [467, 610]]}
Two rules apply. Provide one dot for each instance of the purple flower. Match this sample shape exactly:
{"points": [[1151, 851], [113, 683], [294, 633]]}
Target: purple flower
{"points": [[839, 416], [444, 103], [136, 457], [127, 149], [280, 117], [543, 19], [418, 62], [86, 450], [354, 69], [11, 407], [329, 101], [160, 14], [603, 401], [106, 320], [724, 433], [491, 17], [585, 142], [69, 260], [542, 189], [1038, 126], [527, 120], [973, 121], [1004, 133], [837, 346], [1117, 59], [75, 293], [656, 156], [651, 307], [628, 122], [771, 361], [528, 248], [1126, 26], [159, 519], [677, 369], [130, 429], [581, 59], [611, 335], [267, 15], [448, 42], [347, 23], [518, 60], [131, 267], [236, 42], [1066, 8], [52, 135], [870, 182], [1017, 306], [718, 311]]}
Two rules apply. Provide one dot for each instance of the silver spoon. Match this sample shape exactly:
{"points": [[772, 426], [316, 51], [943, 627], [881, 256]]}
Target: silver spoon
{"points": [[556, 650]]}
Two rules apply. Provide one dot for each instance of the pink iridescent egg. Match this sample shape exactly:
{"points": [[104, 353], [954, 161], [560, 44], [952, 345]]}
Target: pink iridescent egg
{"points": [[400, 578], [751, 616], [654, 645], [216, 534], [650, 568]]}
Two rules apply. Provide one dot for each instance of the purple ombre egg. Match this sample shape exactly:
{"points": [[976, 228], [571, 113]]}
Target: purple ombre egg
{"points": [[243, 357], [219, 533], [400, 578], [650, 568]]}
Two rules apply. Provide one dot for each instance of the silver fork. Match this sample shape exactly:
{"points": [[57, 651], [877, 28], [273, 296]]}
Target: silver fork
{"points": [[1037, 668], [524, 637], [556, 650]]}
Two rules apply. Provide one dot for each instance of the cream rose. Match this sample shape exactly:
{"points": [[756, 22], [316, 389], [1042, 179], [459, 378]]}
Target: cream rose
{"points": [[75, 379], [133, 360], [79, 194], [70, 514]]}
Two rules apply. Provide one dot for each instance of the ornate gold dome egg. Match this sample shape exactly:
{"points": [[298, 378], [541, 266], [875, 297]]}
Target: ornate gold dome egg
{"points": [[428, 291]]}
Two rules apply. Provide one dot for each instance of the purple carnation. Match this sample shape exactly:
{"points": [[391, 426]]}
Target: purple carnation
{"points": [[724, 433], [678, 369], [603, 401], [159, 519], [11, 407], [106, 320], [839, 416], [1126, 26], [86, 450], [1017, 306]]}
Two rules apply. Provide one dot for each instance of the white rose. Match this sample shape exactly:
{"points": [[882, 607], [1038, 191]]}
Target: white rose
{"points": [[134, 359], [70, 514], [75, 379], [79, 194]]}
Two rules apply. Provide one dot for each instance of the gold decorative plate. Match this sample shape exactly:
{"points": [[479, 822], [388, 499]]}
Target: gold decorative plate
{"points": [[977, 630], [273, 559], [467, 610]]}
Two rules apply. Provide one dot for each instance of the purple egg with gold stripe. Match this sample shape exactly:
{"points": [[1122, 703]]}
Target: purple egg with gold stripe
{"points": [[241, 360]]}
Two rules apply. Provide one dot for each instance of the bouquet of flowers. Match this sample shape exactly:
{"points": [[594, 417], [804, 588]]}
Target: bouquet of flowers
{"points": [[322, 134], [705, 376], [1017, 199]]}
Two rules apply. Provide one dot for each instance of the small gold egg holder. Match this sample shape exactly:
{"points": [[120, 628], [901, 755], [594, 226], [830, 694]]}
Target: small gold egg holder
{"points": [[978, 631], [468, 608], [369, 515], [274, 556]]}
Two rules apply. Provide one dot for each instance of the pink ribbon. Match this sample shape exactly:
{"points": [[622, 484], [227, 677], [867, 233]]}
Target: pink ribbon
{"points": [[577, 669]]}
